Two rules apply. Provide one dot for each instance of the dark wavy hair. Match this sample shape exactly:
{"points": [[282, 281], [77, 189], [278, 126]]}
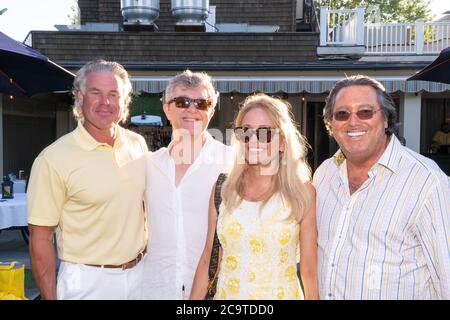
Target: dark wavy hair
{"points": [[384, 99]]}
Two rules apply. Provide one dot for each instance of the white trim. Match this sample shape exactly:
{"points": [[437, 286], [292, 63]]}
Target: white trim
{"points": [[411, 120], [270, 78], [1, 135], [288, 84]]}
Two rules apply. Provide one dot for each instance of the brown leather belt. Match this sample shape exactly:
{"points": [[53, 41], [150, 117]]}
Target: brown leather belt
{"points": [[127, 265]]}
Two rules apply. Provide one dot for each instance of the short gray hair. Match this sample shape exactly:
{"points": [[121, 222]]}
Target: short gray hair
{"points": [[189, 79], [79, 84], [384, 99]]}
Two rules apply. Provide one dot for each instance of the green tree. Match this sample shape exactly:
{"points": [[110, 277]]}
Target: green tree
{"points": [[149, 103], [385, 10], [74, 15]]}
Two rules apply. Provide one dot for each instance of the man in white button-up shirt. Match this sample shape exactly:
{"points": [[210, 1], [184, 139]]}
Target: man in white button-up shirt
{"points": [[383, 210], [179, 183]]}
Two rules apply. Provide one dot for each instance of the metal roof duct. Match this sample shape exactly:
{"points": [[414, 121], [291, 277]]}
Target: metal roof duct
{"points": [[139, 12], [190, 13]]}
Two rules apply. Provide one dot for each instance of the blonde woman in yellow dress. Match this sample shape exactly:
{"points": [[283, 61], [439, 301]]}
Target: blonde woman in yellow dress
{"points": [[267, 212]]}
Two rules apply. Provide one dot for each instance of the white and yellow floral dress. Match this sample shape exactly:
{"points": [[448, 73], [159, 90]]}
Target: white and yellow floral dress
{"points": [[258, 252]]}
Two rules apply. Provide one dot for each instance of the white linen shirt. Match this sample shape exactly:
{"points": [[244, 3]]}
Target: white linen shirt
{"points": [[391, 238], [178, 218]]}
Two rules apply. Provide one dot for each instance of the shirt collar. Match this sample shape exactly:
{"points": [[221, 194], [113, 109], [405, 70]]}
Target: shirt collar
{"points": [[390, 158], [163, 160], [208, 140], [88, 142]]}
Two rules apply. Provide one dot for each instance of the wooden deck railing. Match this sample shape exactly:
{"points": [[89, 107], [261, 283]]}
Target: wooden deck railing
{"points": [[347, 28]]}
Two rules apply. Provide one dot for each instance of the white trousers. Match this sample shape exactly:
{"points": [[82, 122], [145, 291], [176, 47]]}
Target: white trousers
{"points": [[82, 282]]}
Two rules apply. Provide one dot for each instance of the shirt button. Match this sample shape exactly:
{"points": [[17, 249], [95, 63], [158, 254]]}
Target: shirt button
{"points": [[330, 295], [332, 265]]}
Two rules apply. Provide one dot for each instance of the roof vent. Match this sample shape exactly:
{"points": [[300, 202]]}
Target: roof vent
{"points": [[190, 15], [139, 14]]}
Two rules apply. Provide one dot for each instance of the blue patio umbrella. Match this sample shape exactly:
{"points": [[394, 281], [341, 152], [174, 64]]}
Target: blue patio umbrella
{"points": [[437, 71], [25, 71]]}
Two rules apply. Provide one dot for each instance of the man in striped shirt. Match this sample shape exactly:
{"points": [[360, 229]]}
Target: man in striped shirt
{"points": [[383, 210]]}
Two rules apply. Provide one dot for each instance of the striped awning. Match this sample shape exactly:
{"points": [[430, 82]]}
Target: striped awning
{"points": [[288, 85]]}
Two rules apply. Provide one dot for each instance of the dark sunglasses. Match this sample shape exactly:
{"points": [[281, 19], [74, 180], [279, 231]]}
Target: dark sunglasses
{"points": [[184, 103], [264, 135], [364, 114]]}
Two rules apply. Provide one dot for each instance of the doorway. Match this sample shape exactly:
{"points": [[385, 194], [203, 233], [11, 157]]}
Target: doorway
{"points": [[24, 138], [322, 145]]}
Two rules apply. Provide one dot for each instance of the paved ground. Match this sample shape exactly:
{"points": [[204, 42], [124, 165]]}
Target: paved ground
{"points": [[13, 247]]}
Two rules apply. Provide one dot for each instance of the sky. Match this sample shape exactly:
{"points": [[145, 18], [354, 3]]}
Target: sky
{"points": [[23, 16]]}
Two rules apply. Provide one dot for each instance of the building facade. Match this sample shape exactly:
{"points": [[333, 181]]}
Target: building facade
{"points": [[250, 46]]}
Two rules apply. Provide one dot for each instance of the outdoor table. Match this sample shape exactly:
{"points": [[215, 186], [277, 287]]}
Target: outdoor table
{"points": [[19, 186], [13, 214]]}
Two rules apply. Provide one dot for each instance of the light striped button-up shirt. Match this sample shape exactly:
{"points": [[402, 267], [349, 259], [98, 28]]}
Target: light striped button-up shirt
{"points": [[391, 238]]}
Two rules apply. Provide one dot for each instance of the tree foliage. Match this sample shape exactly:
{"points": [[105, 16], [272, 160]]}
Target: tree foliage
{"points": [[74, 15], [146, 102], [385, 10]]}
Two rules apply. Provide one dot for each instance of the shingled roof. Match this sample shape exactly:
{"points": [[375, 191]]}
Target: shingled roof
{"points": [[163, 49], [132, 46]]}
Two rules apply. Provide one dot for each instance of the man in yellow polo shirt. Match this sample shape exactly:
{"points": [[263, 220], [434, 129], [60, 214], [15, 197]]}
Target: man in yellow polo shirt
{"points": [[88, 186]]}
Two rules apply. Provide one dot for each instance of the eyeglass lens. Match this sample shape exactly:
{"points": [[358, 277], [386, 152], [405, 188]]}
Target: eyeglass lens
{"points": [[264, 135], [184, 102], [364, 114]]}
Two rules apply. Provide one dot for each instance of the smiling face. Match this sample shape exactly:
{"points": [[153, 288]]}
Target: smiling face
{"points": [[360, 140], [102, 101], [260, 152], [190, 120]]}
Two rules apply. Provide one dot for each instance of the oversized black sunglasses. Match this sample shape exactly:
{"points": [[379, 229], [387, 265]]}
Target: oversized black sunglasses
{"points": [[263, 134], [184, 103], [363, 114]]}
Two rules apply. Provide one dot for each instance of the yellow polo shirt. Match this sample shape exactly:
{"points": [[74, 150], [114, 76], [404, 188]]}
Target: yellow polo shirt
{"points": [[93, 193]]}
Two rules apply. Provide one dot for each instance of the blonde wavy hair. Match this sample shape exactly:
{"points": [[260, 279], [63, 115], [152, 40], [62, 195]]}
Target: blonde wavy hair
{"points": [[293, 171]]}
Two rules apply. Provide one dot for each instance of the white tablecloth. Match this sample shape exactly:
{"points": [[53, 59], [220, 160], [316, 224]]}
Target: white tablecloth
{"points": [[19, 186], [13, 212]]}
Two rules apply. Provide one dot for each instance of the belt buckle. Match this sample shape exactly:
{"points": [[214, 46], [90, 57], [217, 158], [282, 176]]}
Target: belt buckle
{"points": [[140, 256], [135, 261]]}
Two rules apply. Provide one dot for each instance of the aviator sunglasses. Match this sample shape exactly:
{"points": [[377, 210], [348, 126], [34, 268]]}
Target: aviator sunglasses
{"points": [[184, 103], [264, 135], [364, 114]]}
